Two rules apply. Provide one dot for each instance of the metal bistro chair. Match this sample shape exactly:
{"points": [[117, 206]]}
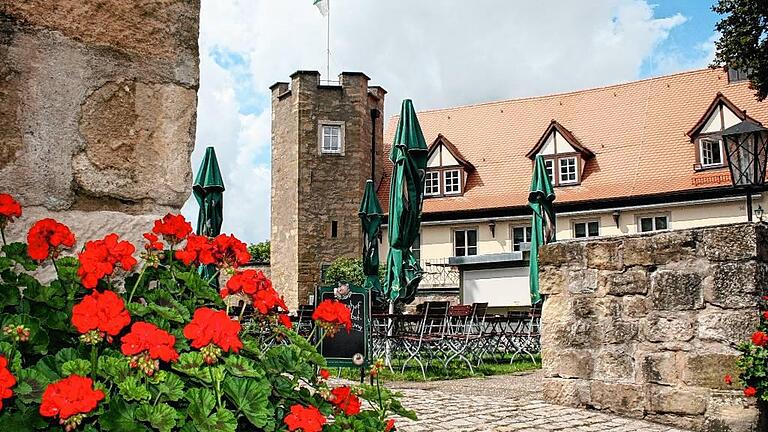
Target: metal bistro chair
{"points": [[304, 323], [429, 335], [528, 335], [459, 335]]}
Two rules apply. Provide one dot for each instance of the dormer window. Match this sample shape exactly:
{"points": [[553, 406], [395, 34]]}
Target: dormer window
{"points": [[564, 156], [707, 133], [447, 170]]}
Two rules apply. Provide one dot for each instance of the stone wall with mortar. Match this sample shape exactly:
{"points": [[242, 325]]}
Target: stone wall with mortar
{"points": [[645, 326], [97, 111], [310, 189]]}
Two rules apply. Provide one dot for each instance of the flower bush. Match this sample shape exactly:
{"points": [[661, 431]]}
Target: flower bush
{"points": [[753, 362], [119, 344]]}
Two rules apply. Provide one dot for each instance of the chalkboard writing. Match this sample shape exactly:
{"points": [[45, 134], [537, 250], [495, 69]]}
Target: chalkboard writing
{"points": [[342, 349]]}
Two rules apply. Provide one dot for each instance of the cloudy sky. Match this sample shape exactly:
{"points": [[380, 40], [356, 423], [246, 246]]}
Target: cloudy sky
{"points": [[437, 52]]}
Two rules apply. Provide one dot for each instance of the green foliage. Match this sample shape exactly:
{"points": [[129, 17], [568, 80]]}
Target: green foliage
{"points": [[349, 270], [743, 43], [249, 390], [260, 251]]}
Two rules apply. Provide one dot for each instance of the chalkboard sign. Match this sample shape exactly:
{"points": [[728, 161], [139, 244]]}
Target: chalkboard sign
{"points": [[345, 349]]}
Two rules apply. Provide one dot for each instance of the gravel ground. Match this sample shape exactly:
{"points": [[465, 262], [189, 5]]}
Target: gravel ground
{"points": [[524, 386]]}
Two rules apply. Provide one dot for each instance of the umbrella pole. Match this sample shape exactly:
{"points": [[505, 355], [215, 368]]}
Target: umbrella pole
{"points": [[390, 332]]}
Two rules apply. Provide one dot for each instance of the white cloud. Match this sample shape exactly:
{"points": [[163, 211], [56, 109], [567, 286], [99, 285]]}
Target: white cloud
{"points": [[439, 53]]}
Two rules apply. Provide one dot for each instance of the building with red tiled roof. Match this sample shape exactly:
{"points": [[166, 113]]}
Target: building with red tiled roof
{"points": [[626, 158]]}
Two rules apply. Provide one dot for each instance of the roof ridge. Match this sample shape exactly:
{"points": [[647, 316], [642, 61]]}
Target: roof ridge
{"points": [[561, 94]]}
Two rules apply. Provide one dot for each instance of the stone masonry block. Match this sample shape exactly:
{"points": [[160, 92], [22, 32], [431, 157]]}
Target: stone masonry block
{"points": [[583, 333], [604, 255], [677, 400], [570, 253], [625, 399], [672, 290], [615, 366], [709, 369], [729, 243], [581, 281], [618, 331], [659, 249], [568, 392], [669, 327], [551, 280], [733, 285], [659, 368], [567, 363], [727, 326], [632, 281]]}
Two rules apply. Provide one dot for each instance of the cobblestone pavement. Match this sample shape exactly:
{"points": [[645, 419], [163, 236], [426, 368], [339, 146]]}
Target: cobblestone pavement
{"points": [[506, 403]]}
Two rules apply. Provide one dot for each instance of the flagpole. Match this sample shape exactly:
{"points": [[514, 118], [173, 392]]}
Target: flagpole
{"points": [[328, 43]]}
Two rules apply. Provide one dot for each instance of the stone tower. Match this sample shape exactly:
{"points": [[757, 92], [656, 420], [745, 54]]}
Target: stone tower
{"points": [[325, 139]]}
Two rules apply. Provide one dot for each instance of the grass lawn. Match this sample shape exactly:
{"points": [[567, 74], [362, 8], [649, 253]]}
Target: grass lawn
{"points": [[455, 371]]}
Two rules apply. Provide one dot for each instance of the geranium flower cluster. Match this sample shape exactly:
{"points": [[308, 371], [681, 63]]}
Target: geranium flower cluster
{"points": [[173, 228], [100, 313], [226, 251], [147, 345], [7, 381], [46, 238], [9, 209], [305, 419], [258, 287], [70, 398], [330, 315], [213, 332], [345, 400], [101, 257]]}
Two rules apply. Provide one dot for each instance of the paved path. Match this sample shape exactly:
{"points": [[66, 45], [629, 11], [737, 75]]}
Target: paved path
{"points": [[502, 403]]}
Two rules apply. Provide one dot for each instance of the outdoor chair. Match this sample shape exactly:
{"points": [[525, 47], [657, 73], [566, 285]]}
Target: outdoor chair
{"points": [[426, 342], [304, 323], [458, 335], [527, 335]]}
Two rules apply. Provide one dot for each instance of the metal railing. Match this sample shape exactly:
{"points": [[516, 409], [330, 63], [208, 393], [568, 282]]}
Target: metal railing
{"points": [[437, 273]]}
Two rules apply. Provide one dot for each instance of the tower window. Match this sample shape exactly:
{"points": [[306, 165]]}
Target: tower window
{"points": [[334, 229], [331, 137]]}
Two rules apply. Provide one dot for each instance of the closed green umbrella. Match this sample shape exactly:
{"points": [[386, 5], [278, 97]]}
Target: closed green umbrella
{"points": [[409, 157], [371, 217], [543, 224], [209, 193]]}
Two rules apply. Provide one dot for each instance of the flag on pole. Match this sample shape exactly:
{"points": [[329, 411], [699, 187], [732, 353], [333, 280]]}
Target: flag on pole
{"points": [[322, 6]]}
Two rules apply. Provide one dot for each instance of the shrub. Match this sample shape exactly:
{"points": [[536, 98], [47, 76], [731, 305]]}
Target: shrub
{"points": [[112, 344], [260, 251]]}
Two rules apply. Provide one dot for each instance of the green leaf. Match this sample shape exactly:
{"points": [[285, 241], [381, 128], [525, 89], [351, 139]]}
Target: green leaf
{"points": [[167, 313], [172, 387], [251, 396], [121, 417], [114, 368], [18, 253], [67, 354], [223, 420], [191, 363], [243, 367], [31, 384], [6, 263], [77, 367], [38, 337], [201, 403], [161, 417], [132, 389]]}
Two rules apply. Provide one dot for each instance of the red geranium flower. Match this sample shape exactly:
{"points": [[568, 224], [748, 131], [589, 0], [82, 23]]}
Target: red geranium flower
{"points": [[146, 337], [100, 258], [173, 228], [728, 380], [759, 338], [6, 381], [70, 396], [259, 287], [333, 313], [209, 326], [390, 425], [750, 391], [46, 237], [153, 242], [285, 320], [197, 250], [9, 209], [104, 312], [306, 419], [343, 399], [228, 251], [324, 374]]}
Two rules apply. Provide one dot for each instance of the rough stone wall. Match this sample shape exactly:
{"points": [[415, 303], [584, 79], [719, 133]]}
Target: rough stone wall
{"points": [[97, 110], [645, 326], [309, 189]]}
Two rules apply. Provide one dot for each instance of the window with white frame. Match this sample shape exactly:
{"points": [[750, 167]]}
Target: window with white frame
{"points": [[465, 242], [432, 183], [549, 166], [452, 182], [586, 229], [416, 248], [521, 234], [711, 152], [567, 169], [331, 139], [653, 223]]}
